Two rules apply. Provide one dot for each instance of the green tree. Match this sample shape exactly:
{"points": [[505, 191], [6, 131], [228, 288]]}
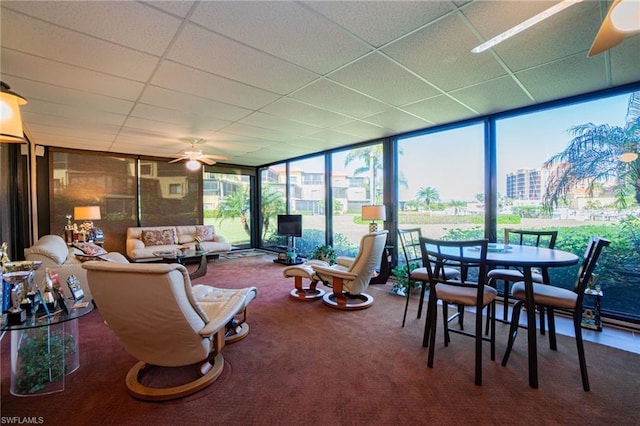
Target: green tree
{"points": [[237, 205], [272, 205], [428, 195], [371, 156], [592, 157]]}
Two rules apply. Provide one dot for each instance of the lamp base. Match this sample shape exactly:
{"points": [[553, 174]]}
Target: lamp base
{"points": [[373, 227]]}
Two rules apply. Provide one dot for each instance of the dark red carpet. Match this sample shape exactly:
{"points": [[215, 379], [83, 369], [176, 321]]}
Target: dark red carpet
{"points": [[304, 363]]}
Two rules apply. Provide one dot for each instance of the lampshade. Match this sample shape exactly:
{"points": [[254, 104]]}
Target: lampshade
{"points": [[10, 119], [628, 157], [374, 213], [86, 213]]}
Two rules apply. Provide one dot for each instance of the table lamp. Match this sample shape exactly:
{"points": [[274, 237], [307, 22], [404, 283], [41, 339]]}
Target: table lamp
{"points": [[373, 213], [87, 214]]}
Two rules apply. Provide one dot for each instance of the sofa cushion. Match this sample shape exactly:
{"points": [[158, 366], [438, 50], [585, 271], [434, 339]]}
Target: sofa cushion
{"points": [[51, 246], [205, 232], [161, 237], [90, 249]]}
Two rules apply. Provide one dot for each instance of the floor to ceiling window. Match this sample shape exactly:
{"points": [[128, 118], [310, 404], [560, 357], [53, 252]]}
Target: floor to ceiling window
{"points": [[307, 183], [226, 202], [356, 180], [559, 169], [441, 182], [273, 201]]}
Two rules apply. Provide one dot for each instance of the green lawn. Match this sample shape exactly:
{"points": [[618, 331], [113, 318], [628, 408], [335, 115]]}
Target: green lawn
{"points": [[230, 229]]}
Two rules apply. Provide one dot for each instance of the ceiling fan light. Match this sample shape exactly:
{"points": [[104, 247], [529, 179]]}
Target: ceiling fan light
{"points": [[625, 16], [193, 165], [628, 157]]}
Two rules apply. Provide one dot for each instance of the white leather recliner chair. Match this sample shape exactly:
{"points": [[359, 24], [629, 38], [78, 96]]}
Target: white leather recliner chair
{"points": [[164, 321]]}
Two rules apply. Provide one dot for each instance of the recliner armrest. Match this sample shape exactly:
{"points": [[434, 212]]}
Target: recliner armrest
{"points": [[333, 272]]}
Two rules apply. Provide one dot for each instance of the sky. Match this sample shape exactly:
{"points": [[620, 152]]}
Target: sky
{"points": [[452, 162]]}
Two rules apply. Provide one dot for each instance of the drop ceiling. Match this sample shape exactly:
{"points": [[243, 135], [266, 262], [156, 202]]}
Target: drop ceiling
{"points": [[270, 80]]}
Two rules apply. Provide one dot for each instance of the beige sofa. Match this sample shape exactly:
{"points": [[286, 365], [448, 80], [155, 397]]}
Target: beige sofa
{"points": [[54, 253], [143, 241]]}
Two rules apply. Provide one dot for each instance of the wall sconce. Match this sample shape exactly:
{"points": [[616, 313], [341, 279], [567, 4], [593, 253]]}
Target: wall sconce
{"points": [[87, 214], [374, 213], [10, 119]]}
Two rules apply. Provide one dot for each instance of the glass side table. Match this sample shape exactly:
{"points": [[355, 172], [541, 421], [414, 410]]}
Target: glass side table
{"points": [[44, 349]]}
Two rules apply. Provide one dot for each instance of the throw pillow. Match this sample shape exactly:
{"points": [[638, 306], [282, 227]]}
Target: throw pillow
{"points": [[86, 257], [158, 237], [90, 249], [205, 233]]}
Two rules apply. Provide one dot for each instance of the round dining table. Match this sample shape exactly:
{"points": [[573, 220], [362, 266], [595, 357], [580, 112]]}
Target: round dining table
{"points": [[523, 258]]}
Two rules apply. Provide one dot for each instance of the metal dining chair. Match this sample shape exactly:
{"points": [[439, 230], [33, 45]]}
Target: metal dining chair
{"points": [[508, 276], [416, 272], [440, 254], [552, 298]]}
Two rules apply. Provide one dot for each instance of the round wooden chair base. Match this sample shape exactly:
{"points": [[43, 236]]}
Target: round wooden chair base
{"points": [[350, 302], [237, 334], [306, 293], [210, 372]]}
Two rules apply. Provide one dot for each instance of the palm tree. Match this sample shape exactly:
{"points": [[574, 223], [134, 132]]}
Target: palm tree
{"points": [[237, 205], [592, 157], [372, 157], [428, 195]]}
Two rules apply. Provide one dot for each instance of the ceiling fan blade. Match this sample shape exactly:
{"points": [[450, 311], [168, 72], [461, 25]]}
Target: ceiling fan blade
{"points": [[608, 36], [215, 157], [206, 161], [178, 159]]}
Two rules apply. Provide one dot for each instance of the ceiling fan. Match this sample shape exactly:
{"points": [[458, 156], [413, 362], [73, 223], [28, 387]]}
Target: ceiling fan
{"points": [[195, 156], [622, 19]]}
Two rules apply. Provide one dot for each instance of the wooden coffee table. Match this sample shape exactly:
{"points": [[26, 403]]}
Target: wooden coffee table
{"points": [[181, 256]]}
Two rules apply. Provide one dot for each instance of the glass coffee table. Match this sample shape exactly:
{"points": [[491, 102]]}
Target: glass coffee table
{"points": [[183, 256]]}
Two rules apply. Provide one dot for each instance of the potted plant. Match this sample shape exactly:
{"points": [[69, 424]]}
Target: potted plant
{"points": [[401, 280], [325, 253]]}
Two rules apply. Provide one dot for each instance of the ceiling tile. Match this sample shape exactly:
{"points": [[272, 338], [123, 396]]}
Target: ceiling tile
{"points": [[441, 54], [57, 74], [184, 102], [489, 96], [383, 79], [213, 53], [379, 22], [268, 121], [543, 84], [329, 95], [439, 110], [127, 23], [283, 29], [394, 120], [305, 113], [188, 80], [74, 48]]}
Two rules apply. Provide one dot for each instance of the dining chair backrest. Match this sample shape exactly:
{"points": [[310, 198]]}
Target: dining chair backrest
{"points": [[410, 243], [440, 254], [588, 265], [530, 237]]}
